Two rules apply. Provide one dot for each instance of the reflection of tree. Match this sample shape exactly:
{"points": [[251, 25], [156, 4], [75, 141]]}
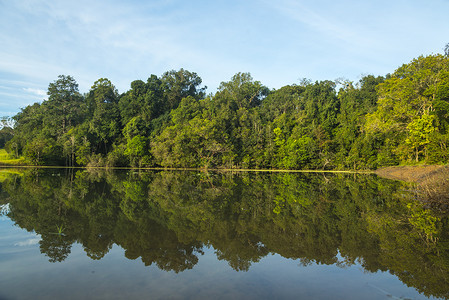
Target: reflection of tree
{"points": [[166, 218], [156, 244], [56, 247], [239, 255], [406, 251]]}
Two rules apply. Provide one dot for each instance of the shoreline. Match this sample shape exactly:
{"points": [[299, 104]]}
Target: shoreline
{"points": [[402, 173], [416, 174], [190, 169], [431, 181]]}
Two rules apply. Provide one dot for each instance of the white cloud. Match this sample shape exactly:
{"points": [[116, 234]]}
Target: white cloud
{"points": [[85, 39], [37, 92], [29, 242], [277, 41]]}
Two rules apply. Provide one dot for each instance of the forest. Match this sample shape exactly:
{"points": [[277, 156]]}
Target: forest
{"points": [[169, 121]]}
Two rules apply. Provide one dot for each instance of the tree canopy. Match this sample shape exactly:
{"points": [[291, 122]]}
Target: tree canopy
{"points": [[168, 121]]}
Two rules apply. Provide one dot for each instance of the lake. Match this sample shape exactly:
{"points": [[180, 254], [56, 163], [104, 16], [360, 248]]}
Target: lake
{"points": [[94, 234]]}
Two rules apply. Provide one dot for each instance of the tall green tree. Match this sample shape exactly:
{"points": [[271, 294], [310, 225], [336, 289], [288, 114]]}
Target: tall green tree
{"points": [[286, 100], [146, 100], [104, 115], [65, 106], [242, 91], [181, 84]]}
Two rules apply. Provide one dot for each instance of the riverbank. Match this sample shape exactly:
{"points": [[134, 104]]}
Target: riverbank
{"points": [[431, 181], [6, 160]]}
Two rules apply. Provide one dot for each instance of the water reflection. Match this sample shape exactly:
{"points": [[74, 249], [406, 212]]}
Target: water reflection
{"points": [[167, 218]]}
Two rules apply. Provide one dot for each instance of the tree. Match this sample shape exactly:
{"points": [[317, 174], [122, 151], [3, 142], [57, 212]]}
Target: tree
{"points": [[104, 123], [294, 151], [28, 125], [242, 91], [181, 84], [6, 134], [321, 105], [144, 99], [137, 151], [65, 106], [285, 100], [178, 142], [420, 130], [40, 150]]}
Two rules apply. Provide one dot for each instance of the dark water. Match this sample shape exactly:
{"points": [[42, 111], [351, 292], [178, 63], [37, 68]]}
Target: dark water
{"points": [[67, 234]]}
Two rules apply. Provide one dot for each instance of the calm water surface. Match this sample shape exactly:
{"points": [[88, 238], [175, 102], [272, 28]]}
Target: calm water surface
{"points": [[68, 234]]}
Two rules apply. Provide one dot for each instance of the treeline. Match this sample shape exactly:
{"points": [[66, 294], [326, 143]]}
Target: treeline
{"points": [[169, 121]]}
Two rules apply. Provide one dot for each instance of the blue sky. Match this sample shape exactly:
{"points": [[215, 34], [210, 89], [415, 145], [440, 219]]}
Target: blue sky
{"points": [[279, 42]]}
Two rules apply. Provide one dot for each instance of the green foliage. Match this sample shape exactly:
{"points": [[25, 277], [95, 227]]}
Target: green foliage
{"points": [[117, 157], [192, 141], [41, 150], [355, 150], [9, 160], [285, 100], [180, 84], [420, 130], [137, 151], [146, 100], [424, 221], [167, 121], [242, 91], [295, 152], [64, 108], [412, 107], [29, 122], [6, 134], [104, 124]]}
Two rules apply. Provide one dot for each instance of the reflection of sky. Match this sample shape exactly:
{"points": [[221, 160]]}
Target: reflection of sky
{"points": [[25, 273], [28, 242], [4, 209], [12, 237]]}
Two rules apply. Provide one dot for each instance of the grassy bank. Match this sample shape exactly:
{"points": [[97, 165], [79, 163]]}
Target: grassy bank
{"points": [[6, 160]]}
